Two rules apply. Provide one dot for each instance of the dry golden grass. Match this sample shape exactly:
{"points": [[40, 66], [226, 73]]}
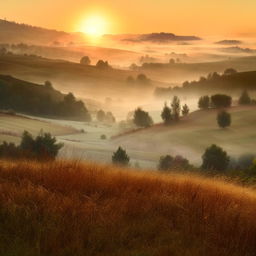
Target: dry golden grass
{"points": [[69, 208]]}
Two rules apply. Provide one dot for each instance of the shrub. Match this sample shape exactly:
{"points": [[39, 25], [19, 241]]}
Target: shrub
{"points": [[103, 137], [215, 159], [224, 119], [120, 157], [221, 101]]}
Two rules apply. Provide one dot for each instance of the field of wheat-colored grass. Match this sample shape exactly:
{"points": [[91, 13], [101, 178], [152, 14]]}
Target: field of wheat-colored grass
{"points": [[71, 208]]}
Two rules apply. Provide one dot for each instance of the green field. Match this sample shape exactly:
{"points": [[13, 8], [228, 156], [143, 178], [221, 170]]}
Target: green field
{"points": [[192, 135]]}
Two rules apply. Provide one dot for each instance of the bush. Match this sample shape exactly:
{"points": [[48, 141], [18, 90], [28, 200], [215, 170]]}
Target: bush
{"points": [[224, 119], [221, 101], [204, 102], [244, 98], [142, 118], [43, 147], [103, 137], [120, 157], [215, 159]]}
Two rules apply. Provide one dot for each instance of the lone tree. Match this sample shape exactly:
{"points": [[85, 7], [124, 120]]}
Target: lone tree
{"points": [[204, 102], [185, 110], [142, 118], [245, 98], [120, 157], [230, 71], [166, 114], [101, 116], [215, 158], [102, 64], [221, 101], [176, 108], [224, 119], [85, 61]]}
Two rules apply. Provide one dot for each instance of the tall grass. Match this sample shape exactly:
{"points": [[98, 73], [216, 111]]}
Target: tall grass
{"points": [[70, 208]]}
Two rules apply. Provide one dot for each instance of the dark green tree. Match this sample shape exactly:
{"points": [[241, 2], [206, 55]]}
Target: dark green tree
{"points": [[120, 157], [244, 98], [185, 110], [204, 102], [215, 159], [224, 119], [175, 108], [221, 101], [142, 118], [166, 114]]}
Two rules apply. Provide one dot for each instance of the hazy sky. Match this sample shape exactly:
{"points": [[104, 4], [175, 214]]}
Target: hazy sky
{"points": [[199, 17]]}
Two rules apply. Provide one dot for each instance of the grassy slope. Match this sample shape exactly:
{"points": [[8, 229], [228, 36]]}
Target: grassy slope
{"points": [[12, 127], [82, 209], [193, 134]]}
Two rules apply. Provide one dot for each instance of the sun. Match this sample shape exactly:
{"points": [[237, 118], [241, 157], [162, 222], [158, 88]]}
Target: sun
{"points": [[94, 25]]}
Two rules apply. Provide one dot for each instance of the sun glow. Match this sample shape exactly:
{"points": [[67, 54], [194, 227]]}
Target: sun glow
{"points": [[94, 26]]}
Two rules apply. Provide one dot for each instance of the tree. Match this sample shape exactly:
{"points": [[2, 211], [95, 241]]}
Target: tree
{"points": [[224, 119], [215, 158], [109, 118], [142, 118], [142, 79], [166, 114], [230, 71], [244, 98], [85, 61], [120, 157], [221, 101], [101, 116], [176, 108], [102, 64], [204, 102], [168, 163], [48, 85], [185, 110]]}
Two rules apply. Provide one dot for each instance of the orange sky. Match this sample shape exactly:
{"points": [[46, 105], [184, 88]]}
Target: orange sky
{"points": [[199, 17]]}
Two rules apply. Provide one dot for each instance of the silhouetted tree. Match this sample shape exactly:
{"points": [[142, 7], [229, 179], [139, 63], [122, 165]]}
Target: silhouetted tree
{"points": [[168, 163], [185, 110], [245, 98], [204, 102], [101, 116], [175, 108], [215, 159], [48, 85], [142, 79], [221, 101], [85, 60], [120, 157], [102, 64], [224, 119], [166, 114], [230, 71], [142, 118]]}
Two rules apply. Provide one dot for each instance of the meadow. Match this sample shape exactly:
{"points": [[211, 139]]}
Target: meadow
{"points": [[71, 208]]}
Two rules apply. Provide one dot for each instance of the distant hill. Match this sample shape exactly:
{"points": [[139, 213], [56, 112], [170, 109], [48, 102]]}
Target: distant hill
{"points": [[12, 32], [229, 42], [40, 100], [155, 37], [214, 83]]}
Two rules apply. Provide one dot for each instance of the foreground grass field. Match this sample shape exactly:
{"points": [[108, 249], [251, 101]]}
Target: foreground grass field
{"points": [[68, 208]]}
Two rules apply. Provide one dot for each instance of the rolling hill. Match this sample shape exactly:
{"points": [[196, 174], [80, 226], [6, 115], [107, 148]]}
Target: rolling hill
{"points": [[109, 211], [192, 135]]}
